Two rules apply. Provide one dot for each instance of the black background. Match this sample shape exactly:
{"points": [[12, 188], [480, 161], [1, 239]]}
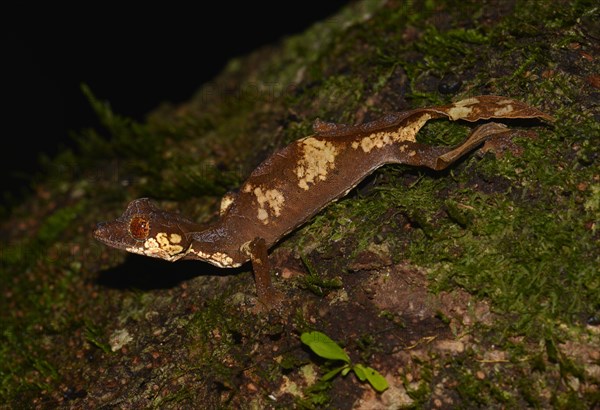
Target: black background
{"points": [[133, 61]]}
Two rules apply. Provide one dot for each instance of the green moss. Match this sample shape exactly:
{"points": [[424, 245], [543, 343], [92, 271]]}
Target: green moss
{"points": [[38, 310], [213, 331], [28, 251], [422, 393], [528, 260], [316, 283], [183, 396], [58, 222], [95, 335]]}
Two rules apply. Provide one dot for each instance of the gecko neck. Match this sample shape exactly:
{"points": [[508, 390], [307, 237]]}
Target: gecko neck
{"points": [[218, 245]]}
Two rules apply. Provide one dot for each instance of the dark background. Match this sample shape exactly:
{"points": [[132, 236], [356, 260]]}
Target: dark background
{"points": [[133, 61]]}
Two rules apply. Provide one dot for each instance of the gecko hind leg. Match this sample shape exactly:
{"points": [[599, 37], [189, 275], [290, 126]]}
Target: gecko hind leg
{"points": [[439, 158], [477, 136]]}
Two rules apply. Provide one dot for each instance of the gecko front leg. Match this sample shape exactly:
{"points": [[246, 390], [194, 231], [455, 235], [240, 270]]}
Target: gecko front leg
{"points": [[268, 296]]}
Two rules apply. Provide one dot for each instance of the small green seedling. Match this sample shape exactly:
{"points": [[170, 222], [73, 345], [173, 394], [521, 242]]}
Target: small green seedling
{"points": [[323, 346]]}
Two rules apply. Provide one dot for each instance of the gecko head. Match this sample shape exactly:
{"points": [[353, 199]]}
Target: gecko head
{"points": [[146, 229]]}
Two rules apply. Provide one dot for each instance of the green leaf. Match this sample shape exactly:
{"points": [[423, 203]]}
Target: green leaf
{"points": [[360, 372], [331, 374], [347, 368], [378, 382], [324, 346]]}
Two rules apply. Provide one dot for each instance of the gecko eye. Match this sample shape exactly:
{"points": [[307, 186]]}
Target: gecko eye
{"points": [[139, 228]]}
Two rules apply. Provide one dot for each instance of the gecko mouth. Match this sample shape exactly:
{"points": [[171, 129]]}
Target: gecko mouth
{"points": [[104, 232], [101, 233]]}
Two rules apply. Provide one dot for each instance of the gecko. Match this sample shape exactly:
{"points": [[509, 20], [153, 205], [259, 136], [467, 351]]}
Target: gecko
{"points": [[295, 183]]}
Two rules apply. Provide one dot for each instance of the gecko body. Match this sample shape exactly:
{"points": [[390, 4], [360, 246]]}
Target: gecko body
{"points": [[295, 183]]}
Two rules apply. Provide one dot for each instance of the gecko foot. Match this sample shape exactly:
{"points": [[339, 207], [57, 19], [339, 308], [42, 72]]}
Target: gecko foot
{"points": [[268, 297]]}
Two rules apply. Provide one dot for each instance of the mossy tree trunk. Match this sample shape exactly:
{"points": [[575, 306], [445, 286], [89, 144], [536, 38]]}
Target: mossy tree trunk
{"points": [[473, 287]]}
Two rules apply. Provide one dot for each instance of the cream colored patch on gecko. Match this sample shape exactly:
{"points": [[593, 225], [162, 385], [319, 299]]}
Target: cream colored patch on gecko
{"points": [[163, 242], [226, 203], [175, 238], [223, 260], [383, 138], [504, 110], [462, 109], [318, 158], [245, 248], [137, 250], [220, 259], [152, 248], [151, 243], [201, 255], [263, 215], [270, 202]]}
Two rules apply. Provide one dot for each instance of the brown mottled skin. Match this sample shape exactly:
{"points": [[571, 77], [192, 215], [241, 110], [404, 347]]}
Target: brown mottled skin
{"points": [[295, 183]]}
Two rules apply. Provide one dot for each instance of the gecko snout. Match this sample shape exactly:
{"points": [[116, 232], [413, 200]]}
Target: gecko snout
{"points": [[100, 231]]}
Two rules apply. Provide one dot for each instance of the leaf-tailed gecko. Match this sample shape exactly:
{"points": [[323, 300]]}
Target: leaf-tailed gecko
{"points": [[295, 183]]}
